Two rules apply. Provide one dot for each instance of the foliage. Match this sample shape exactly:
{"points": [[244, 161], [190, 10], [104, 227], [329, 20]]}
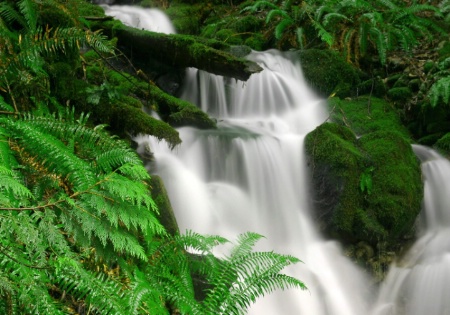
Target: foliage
{"points": [[79, 229], [233, 282], [439, 92], [70, 193], [352, 27]]}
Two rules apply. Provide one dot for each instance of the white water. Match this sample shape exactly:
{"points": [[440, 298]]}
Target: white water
{"points": [[250, 175], [149, 19], [420, 283]]}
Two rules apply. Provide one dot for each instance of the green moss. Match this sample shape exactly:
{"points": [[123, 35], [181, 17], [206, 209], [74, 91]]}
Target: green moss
{"points": [[178, 112], [338, 162], [328, 73], [400, 94], [397, 190], [249, 23], [256, 42], [228, 36], [366, 114], [187, 18]]}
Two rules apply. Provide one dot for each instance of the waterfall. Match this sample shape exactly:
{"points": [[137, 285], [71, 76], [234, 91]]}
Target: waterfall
{"points": [[420, 282], [250, 175], [149, 19]]}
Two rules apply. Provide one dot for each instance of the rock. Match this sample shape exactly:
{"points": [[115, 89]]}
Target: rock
{"points": [[338, 161]]}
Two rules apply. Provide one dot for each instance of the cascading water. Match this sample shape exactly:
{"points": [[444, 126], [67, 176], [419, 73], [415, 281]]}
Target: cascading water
{"points": [[149, 19], [250, 175], [420, 282]]}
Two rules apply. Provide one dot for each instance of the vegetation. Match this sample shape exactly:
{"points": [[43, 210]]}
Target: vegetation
{"points": [[79, 227], [74, 240]]}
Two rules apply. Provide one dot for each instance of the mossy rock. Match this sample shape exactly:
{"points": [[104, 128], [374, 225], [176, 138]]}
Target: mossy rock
{"points": [[366, 114], [365, 189], [328, 73], [166, 215]]}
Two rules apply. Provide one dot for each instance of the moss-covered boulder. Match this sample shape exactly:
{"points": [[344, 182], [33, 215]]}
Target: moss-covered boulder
{"points": [[366, 114], [328, 73], [365, 189]]}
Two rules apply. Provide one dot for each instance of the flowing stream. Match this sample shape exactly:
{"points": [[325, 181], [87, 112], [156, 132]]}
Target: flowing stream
{"points": [[250, 175], [420, 282]]}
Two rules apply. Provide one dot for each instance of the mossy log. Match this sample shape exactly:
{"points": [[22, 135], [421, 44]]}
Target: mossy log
{"points": [[177, 112], [179, 51]]}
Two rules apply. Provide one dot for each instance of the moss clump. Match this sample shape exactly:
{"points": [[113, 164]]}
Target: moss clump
{"points": [[365, 189], [366, 114], [249, 23], [397, 189], [187, 18], [256, 42], [400, 94], [328, 73]]}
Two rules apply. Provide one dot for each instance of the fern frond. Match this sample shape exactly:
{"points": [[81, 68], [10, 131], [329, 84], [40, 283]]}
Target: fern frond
{"points": [[329, 17], [100, 293], [245, 275], [378, 38], [5, 106], [9, 15], [142, 293], [260, 5], [282, 26], [56, 156], [245, 244], [440, 91], [29, 10], [200, 243], [324, 35], [276, 13]]}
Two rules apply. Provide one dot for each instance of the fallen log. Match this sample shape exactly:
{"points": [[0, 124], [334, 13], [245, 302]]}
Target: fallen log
{"points": [[178, 51]]}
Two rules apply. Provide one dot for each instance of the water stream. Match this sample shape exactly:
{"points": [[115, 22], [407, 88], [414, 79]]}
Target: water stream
{"points": [[420, 282], [250, 175]]}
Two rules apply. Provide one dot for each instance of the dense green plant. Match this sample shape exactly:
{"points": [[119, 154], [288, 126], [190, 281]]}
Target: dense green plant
{"points": [[231, 283], [439, 92], [353, 26], [73, 198], [78, 227], [27, 46]]}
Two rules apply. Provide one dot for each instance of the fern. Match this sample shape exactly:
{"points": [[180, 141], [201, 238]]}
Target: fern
{"points": [[29, 10], [259, 5], [233, 282], [440, 92]]}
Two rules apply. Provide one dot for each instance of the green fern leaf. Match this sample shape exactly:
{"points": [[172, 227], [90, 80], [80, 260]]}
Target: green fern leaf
{"points": [[277, 13], [29, 10], [440, 91], [323, 33]]}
